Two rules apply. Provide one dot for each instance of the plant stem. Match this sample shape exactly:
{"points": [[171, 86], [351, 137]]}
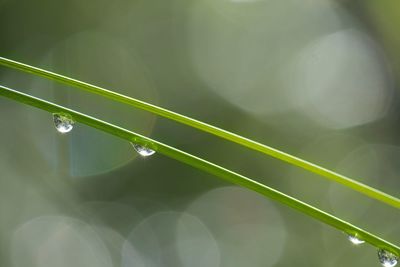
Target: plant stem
{"points": [[205, 166], [331, 175]]}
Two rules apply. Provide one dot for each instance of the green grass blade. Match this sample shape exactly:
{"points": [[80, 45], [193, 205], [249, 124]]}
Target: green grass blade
{"points": [[205, 166], [346, 181]]}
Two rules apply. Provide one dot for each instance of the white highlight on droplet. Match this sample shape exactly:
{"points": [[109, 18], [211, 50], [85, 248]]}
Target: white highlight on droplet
{"points": [[142, 150], [354, 240]]}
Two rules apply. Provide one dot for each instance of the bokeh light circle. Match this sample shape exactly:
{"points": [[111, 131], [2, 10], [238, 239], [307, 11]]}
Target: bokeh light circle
{"points": [[172, 239], [57, 241], [249, 230], [340, 80]]}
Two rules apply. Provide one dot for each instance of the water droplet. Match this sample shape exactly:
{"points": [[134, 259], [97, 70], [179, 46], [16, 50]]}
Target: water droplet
{"points": [[63, 122], [142, 150], [354, 240], [387, 258]]}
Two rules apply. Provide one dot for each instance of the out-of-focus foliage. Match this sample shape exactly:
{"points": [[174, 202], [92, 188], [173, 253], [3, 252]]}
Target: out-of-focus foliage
{"points": [[318, 79]]}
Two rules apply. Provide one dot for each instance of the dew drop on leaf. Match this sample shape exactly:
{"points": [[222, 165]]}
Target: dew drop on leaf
{"points": [[354, 240], [386, 258], [63, 122], [142, 150]]}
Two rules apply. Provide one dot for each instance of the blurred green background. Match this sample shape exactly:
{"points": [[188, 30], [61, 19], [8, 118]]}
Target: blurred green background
{"points": [[315, 78]]}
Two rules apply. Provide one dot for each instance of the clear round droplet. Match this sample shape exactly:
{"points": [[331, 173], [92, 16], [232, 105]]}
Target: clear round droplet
{"points": [[142, 150], [386, 258], [63, 122], [354, 240]]}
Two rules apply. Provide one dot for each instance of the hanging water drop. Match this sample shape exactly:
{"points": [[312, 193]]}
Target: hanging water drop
{"points": [[63, 122], [354, 240], [386, 258], [142, 150]]}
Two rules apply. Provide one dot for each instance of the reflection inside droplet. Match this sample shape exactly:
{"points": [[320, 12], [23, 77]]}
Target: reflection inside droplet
{"points": [[63, 122], [142, 150], [386, 258]]}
